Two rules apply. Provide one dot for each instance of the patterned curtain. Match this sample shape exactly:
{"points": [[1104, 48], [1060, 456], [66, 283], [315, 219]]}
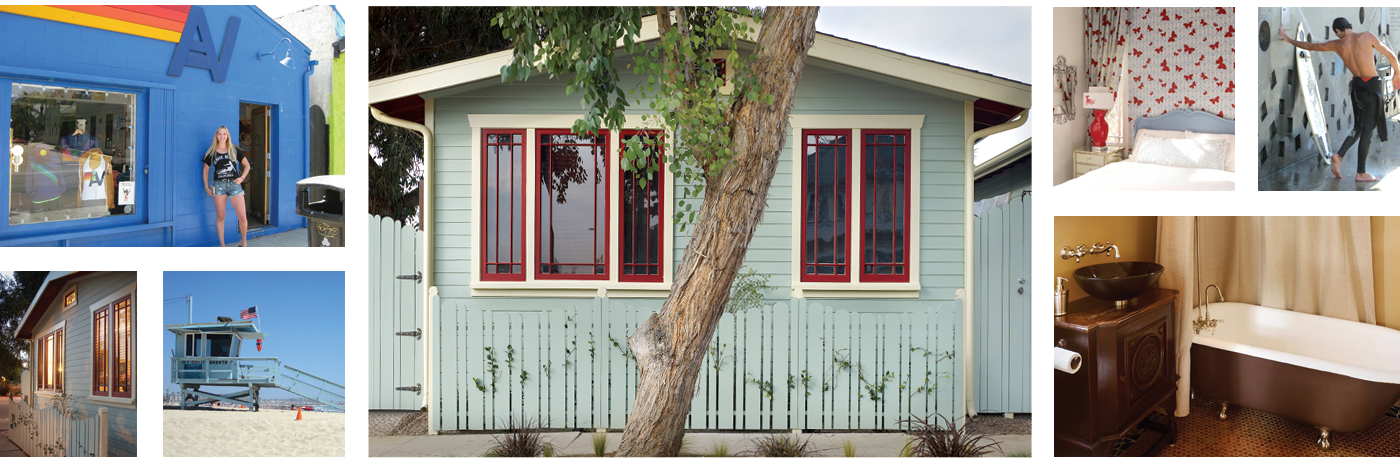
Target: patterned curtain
{"points": [[1103, 45]]}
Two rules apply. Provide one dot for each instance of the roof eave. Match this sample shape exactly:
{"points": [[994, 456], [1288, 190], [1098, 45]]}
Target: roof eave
{"points": [[23, 331], [826, 47]]}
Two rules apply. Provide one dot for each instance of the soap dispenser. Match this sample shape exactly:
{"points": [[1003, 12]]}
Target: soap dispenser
{"points": [[1061, 296]]}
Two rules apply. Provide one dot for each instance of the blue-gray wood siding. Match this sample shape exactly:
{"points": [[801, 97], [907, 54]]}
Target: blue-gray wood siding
{"points": [[77, 356], [822, 90]]}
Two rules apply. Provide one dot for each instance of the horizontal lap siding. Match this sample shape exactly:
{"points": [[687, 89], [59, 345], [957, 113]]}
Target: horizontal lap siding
{"points": [[821, 91]]}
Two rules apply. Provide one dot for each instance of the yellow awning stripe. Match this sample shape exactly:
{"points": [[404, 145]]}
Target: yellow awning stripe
{"points": [[92, 21]]}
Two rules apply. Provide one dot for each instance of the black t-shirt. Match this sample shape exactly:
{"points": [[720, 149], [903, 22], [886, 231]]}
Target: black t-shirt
{"points": [[225, 166]]}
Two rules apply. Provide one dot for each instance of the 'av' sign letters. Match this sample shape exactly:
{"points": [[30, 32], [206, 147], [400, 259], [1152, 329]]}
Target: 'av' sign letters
{"points": [[196, 48]]}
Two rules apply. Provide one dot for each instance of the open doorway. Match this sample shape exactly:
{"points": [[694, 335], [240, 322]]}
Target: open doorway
{"points": [[256, 136]]}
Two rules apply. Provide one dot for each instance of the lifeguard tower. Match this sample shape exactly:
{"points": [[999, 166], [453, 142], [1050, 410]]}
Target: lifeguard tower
{"points": [[208, 354]]}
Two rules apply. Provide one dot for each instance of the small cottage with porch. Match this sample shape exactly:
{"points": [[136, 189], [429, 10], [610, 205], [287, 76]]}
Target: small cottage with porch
{"points": [[543, 255], [80, 389]]}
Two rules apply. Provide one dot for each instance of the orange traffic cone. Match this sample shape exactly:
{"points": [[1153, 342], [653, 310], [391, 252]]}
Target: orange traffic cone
{"points": [[298, 413]]}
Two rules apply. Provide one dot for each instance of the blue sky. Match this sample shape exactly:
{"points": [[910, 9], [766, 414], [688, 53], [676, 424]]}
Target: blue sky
{"points": [[994, 40], [302, 314]]}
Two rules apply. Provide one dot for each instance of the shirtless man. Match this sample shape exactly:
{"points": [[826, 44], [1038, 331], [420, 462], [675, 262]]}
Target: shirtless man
{"points": [[1367, 95]]}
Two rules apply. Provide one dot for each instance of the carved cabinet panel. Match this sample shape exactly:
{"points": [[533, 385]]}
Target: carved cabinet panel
{"points": [[1128, 370]]}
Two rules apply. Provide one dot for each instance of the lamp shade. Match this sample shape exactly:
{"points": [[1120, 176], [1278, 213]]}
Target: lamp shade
{"points": [[1098, 98]]}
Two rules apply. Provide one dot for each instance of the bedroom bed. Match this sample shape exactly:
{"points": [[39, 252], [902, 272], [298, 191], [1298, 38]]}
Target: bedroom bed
{"points": [[1182, 150]]}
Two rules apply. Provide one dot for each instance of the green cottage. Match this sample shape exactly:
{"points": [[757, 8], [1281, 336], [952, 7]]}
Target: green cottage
{"points": [[544, 255]]}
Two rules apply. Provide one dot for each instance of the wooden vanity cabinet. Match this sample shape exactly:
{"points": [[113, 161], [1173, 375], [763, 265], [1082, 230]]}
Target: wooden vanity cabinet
{"points": [[1128, 371]]}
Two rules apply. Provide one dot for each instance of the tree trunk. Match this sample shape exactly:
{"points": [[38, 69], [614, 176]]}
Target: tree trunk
{"points": [[670, 346]]}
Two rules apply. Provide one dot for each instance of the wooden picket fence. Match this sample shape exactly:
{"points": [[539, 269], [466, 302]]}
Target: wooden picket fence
{"points": [[569, 367], [45, 432], [1001, 269]]}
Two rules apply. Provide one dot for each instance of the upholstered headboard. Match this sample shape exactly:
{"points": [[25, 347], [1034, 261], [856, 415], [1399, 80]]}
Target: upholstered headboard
{"points": [[1187, 120]]}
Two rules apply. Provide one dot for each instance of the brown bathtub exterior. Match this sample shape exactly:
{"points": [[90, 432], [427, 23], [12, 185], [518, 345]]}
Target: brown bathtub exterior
{"points": [[1341, 403]]}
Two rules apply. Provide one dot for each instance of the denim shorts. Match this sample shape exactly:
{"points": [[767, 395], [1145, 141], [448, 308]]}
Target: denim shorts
{"points": [[228, 188]]}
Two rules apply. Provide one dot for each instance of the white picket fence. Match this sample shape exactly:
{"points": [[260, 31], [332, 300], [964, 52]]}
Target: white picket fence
{"points": [[45, 432]]}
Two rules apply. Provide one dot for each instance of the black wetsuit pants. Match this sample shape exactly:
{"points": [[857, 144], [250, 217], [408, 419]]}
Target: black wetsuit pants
{"points": [[1367, 103]]}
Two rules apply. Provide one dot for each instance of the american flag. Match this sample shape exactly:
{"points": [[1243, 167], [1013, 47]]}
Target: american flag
{"points": [[250, 313]]}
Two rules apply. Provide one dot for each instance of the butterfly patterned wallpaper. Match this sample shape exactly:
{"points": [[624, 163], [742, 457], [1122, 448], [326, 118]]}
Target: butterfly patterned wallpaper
{"points": [[1179, 58]]}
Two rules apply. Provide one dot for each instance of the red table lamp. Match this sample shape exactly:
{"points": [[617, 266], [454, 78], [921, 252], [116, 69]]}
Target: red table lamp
{"points": [[1100, 99]]}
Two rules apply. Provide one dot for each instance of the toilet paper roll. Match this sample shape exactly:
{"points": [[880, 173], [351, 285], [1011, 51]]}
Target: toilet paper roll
{"points": [[1067, 361]]}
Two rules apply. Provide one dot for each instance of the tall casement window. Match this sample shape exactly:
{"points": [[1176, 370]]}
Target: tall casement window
{"points": [[503, 206], [112, 349], [572, 209], [49, 356], [884, 238], [643, 209], [826, 205]]}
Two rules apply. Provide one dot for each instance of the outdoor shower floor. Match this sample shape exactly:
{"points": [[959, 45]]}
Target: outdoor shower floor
{"points": [[1252, 433], [1312, 175]]}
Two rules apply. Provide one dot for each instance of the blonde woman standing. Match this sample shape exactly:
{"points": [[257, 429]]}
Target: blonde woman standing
{"points": [[230, 168]]}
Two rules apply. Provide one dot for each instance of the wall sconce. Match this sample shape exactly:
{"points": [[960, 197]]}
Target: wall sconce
{"points": [[16, 156], [287, 59]]}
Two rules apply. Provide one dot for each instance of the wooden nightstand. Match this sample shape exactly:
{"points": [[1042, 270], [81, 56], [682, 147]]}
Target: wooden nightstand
{"points": [[1086, 159]]}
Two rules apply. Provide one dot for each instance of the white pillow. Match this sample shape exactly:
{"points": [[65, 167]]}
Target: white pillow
{"points": [[1181, 153], [1154, 132], [1229, 150]]}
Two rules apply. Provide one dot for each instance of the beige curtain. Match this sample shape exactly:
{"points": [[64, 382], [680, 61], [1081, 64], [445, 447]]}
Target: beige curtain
{"points": [[1317, 265]]}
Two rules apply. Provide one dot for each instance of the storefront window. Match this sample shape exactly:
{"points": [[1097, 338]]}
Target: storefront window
{"points": [[72, 153]]}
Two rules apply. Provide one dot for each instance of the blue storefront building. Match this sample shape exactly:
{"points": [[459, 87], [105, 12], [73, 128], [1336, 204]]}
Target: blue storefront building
{"points": [[113, 107]]}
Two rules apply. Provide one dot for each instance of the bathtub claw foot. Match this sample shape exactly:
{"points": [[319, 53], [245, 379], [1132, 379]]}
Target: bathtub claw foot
{"points": [[1325, 442], [1224, 406]]}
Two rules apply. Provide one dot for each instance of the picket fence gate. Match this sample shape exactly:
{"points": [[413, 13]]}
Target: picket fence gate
{"points": [[772, 368], [46, 432], [1001, 269], [395, 352]]}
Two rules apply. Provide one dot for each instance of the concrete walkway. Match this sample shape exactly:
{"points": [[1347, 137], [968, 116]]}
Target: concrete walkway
{"points": [[581, 444], [7, 447], [293, 238]]}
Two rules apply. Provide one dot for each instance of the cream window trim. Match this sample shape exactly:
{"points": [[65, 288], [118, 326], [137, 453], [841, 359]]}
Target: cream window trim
{"points": [[728, 87], [856, 288], [61, 324], [532, 287]]}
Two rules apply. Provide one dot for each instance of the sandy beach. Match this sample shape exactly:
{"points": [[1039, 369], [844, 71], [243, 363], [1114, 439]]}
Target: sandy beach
{"points": [[268, 433]]}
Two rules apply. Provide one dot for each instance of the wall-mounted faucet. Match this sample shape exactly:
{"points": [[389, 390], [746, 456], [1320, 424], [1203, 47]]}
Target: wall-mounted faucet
{"points": [[1079, 251], [1205, 321]]}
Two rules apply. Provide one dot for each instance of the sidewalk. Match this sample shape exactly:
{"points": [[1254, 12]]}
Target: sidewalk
{"points": [[293, 238], [576, 444], [7, 447]]}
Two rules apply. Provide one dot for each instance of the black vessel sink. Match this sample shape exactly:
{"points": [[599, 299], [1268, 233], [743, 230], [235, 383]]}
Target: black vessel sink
{"points": [[1118, 281]]}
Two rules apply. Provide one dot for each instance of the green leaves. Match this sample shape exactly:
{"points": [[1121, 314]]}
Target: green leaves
{"points": [[682, 78]]}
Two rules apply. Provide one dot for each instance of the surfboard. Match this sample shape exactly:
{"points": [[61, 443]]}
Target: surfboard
{"points": [[1312, 100]]}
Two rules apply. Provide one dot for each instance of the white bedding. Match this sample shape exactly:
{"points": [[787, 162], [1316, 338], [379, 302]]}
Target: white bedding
{"points": [[1130, 176]]}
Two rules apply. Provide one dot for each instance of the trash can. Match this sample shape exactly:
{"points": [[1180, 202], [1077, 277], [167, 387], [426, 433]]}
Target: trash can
{"points": [[321, 199]]}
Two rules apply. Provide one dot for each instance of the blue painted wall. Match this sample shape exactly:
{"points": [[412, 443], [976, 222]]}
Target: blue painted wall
{"points": [[176, 120]]}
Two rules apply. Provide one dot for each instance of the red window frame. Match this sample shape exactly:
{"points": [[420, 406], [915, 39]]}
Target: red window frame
{"points": [[101, 353], [625, 218], [122, 350], [842, 269], [513, 226], [600, 226], [868, 198]]}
